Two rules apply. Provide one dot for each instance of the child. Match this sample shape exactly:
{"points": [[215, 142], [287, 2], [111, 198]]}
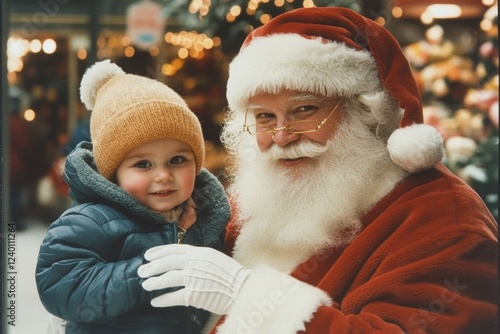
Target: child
{"points": [[139, 184]]}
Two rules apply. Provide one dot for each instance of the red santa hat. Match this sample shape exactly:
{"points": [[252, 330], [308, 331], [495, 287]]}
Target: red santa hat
{"points": [[335, 51]]}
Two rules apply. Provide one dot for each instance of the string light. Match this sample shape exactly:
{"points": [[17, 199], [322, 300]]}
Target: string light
{"points": [[191, 41], [129, 51], [49, 46], [17, 48], [35, 46], [199, 6], [81, 54], [29, 115]]}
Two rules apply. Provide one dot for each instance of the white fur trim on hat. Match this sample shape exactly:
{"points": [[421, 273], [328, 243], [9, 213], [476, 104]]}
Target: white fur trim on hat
{"points": [[94, 78], [416, 147], [290, 61]]}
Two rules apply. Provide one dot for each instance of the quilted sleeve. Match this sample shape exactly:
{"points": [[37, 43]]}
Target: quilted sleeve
{"points": [[76, 277]]}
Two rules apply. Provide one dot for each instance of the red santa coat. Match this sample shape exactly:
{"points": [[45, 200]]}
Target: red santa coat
{"points": [[425, 262]]}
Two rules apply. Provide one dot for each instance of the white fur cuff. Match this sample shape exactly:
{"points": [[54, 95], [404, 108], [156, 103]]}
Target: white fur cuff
{"points": [[273, 302]]}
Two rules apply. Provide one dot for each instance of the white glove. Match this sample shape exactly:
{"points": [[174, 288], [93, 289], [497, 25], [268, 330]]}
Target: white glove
{"points": [[211, 279]]}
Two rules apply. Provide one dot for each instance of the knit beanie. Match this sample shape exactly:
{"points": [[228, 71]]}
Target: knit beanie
{"points": [[129, 110], [332, 51]]}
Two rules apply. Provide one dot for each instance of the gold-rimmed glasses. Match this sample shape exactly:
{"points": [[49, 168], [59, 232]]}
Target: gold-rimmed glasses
{"points": [[297, 127]]}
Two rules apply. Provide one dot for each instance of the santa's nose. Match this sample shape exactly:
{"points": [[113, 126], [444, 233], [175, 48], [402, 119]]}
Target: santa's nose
{"points": [[283, 136]]}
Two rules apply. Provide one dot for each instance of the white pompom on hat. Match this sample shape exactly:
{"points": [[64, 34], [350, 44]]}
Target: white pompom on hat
{"points": [[335, 51], [129, 110]]}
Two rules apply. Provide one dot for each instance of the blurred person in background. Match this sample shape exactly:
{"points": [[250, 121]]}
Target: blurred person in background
{"points": [[22, 161], [81, 131], [28, 158]]}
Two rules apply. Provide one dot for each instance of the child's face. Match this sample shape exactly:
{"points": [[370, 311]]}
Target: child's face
{"points": [[160, 174]]}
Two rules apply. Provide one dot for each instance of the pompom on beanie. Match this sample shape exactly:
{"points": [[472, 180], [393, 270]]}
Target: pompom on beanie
{"points": [[334, 51], [130, 110]]}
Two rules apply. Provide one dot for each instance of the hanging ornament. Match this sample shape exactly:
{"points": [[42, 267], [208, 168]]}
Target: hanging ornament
{"points": [[145, 24]]}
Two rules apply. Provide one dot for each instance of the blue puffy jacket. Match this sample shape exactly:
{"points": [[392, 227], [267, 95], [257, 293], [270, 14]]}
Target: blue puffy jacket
{"points": [[87, 265]]}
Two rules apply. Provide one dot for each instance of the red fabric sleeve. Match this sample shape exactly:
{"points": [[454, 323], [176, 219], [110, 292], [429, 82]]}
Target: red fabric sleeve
{"points": [[426, 262]]}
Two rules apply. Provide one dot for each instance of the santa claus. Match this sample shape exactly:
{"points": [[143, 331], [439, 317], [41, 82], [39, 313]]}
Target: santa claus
{"points": [[344, 219]]}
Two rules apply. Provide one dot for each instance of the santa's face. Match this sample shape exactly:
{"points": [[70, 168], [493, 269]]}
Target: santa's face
{"points": [[299, 193], [297, 110]]}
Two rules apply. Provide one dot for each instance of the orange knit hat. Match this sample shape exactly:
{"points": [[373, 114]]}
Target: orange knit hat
{"points": [[129, 110]]}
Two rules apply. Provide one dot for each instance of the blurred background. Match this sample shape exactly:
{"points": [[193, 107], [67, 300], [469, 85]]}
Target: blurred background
{"points": [[187, 44]]}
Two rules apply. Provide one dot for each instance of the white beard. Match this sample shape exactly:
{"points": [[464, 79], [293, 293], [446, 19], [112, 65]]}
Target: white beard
{"points": [[289, 215]]}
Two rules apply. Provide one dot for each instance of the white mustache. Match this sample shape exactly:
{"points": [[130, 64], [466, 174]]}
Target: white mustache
{"points": [[305, 149]]}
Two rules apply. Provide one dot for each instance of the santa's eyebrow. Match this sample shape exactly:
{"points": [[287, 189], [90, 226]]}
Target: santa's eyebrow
{"points": [[252, 107], [299, 97], [306, 96]]}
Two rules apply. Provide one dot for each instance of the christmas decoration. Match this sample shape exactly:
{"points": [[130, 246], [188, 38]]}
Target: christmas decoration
{"points": [[231, 21], [460, 94]]}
